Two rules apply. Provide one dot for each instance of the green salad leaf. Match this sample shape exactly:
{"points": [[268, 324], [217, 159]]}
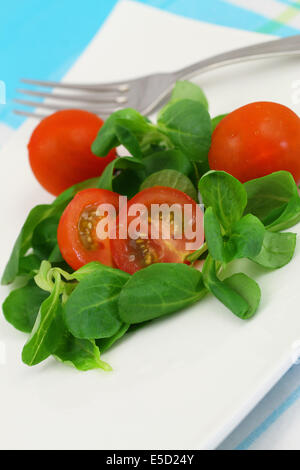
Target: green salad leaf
{"points": [[86, 270], [104, 344], [127, 138], [78, 316], [81, 353], [167, 160], [246, 239], [185, 90], [239, 293], [66, 196], [216, 120], [169, 288], [213, 237], [106, 180], [48, 329], [246, 288], [274, 199], [36, 216], [289, 217], [91, 312], [277, 250], [29, 265], [127, 183], [23, 243], [187, 124], [226, 195], [22, 306], [44, 238], [171, 179], [135, 125]]}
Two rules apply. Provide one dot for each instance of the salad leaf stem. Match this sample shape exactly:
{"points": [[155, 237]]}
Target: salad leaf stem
{"points": [[193, 257], [48, 329]]}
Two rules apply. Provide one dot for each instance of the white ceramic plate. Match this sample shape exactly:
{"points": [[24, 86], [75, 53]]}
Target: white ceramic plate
{"points": [[187, 380]]}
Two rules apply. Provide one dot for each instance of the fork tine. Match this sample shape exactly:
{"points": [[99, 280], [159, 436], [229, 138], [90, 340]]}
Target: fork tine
{"points": [[118, 86], [19, 112], [84, 98], [36, 115], [58, 107]]}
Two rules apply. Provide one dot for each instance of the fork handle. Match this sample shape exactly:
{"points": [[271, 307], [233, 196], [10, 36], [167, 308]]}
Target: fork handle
{"points": [[277, 47]]}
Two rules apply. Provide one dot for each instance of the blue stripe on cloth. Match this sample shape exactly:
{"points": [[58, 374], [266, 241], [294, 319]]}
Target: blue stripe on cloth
{"points": [[222, 13], [42, 39], [257, 429], [291, 3], [250, 440]]}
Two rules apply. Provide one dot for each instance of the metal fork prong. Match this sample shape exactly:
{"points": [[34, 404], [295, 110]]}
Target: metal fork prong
{"points": [[58, 107], [19, 112], [36, 115], [118, 86], [83, 98]]}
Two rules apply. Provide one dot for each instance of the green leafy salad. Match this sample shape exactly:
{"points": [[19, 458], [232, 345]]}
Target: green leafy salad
{"points": [[77, 315]]}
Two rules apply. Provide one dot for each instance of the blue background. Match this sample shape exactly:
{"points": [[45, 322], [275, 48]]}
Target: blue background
{"points": [[43, 38]]}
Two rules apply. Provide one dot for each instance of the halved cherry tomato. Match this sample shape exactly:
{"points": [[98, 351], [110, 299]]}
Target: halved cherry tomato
{"points": [[60, 150], [131, 255], [255, 140], [76, 235]]}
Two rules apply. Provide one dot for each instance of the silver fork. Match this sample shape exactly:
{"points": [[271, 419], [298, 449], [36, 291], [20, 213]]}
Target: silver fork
{"points": [[144, 93]]}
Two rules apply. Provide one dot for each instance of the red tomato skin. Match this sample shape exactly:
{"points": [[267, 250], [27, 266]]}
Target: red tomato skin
{"points": [[256, 140], [172, 253], [70, 245], [60, 150]]}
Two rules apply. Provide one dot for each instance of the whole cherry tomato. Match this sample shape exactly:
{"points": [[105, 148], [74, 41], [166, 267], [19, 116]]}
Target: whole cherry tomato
{"points": [[255, 140], [60, 150]]}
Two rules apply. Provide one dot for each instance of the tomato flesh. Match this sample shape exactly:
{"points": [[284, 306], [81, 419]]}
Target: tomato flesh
{"points": [[60, 150], [256, 140], [77, 229], [131, 255]]}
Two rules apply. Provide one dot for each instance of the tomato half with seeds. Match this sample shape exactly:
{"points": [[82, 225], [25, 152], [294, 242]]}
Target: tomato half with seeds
{"points": [[77, 230], [159, 225]]}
